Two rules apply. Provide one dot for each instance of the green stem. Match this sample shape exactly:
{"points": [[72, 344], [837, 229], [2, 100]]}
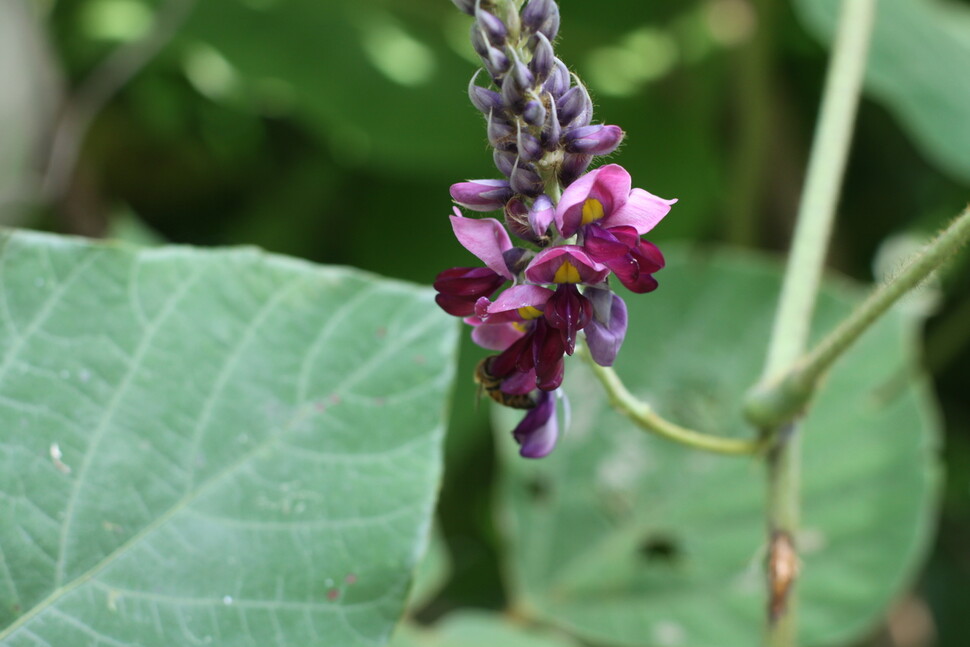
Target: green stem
{"points": [[802, 278], [821, 358], [643, 415]]}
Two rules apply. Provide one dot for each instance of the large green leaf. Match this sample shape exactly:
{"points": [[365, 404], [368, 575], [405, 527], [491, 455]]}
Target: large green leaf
{"points": [[628, 539], [918, 68], [211, 447]]}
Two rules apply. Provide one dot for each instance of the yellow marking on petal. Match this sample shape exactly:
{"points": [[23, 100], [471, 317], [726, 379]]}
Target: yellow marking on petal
{"points": [[519, 325], [567, 273], [529, 312], [592, 210]]}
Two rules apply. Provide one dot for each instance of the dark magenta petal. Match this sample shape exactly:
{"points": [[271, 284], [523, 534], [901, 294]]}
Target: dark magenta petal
{"points": [[548, 349], [628, 236], [539, 429], [604, 335], [602, 245], [460, 287], [507, 362], [568, 312], [649, 260], [649, 257]]}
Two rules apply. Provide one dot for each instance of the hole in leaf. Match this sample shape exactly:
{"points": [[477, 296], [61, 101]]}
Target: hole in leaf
{"points": [[660, 548]]}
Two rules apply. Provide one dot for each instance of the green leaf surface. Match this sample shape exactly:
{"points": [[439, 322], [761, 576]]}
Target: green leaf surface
{"points": [[476, 629], [918, 67], [628, 539], [211, 447]]}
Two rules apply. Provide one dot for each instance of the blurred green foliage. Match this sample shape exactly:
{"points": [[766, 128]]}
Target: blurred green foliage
{"points": [[331, 130]]}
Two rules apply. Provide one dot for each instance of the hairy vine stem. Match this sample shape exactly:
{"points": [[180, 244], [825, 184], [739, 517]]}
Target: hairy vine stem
{"points": [[803, 274]]}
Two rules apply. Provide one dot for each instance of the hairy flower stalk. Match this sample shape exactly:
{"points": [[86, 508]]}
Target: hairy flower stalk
{"points": [[574, 228]]}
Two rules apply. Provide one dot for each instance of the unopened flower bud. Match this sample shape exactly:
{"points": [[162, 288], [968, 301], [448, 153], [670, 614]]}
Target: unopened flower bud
{"points": [[541, 16], [492, 27], [525, 180], [496, 62], [528, 146], [517, 219], [541, 215], [479, 41], [543, 58], [534, 113], [517, 259], [483, 99], [573, 166], [594, 140], [606, 331], [513, 93], [481, 195], [551, 130], [501, 134], [575, 107], [523, 76], [558, 81], [504, 161]]}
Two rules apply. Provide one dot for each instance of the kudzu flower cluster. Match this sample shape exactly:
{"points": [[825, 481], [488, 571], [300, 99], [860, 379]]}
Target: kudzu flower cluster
{"points": [[574, 228]]}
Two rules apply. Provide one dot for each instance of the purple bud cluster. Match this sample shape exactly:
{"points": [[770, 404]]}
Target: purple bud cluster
{"points": [[538, 114], [577, 228]]}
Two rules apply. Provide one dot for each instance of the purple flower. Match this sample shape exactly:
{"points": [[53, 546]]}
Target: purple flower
{"points": [[603, 196], [610, 218], [565, 264], [539, 429]]}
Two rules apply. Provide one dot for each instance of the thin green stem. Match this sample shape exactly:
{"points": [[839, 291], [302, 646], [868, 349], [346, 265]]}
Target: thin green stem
{"points": [[781, 400], [821, 358], [803, 275], [643, 415], [816, 211]]}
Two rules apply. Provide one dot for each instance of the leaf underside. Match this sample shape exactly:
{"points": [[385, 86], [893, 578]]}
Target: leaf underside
{"points": [[211, 447]]}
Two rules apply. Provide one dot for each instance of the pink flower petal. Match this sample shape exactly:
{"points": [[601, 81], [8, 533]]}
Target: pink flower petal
{"points": [[642, 211], [494, 336], [507, 306], [486, 238]]}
